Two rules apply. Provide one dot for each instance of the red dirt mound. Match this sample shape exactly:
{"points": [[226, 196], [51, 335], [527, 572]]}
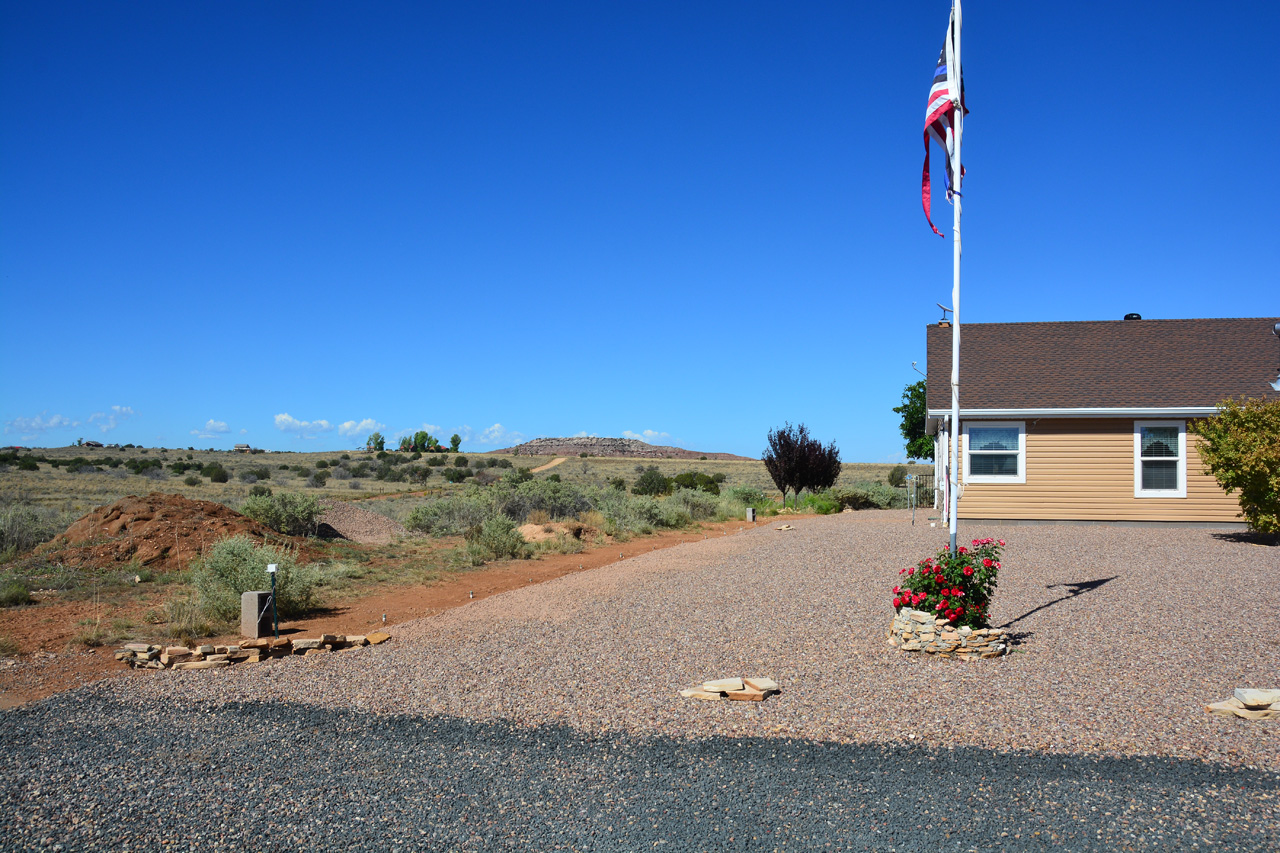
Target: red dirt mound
{"points": [[159, 531]]}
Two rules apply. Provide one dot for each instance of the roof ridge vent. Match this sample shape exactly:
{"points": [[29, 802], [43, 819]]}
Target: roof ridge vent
{"points": [[1133, 316]]}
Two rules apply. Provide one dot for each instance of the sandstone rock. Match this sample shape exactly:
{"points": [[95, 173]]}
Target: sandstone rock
{"points": [[764, 685], [695, 693], [356, 640], [746, 695], [1255, 699], [138, 647], [378, 637], [218, 657], [207, 650], [202, 664], [317, 651], [305, 645], [723, 685]]}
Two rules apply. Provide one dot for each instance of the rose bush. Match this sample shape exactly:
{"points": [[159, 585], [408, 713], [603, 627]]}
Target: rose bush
{"points": [[956, 586]]}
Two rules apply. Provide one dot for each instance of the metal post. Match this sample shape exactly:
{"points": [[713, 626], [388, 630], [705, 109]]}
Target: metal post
{"points": [[957, 175], [275, 618]]}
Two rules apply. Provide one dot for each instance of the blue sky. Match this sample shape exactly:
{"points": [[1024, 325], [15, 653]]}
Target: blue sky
{"points": [[291, 223]]}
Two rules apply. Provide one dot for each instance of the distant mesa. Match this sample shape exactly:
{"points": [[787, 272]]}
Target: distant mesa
{"points": [[593, 446]]}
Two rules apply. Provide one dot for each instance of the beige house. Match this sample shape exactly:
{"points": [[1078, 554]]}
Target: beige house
{"points": [[1087, 421]]}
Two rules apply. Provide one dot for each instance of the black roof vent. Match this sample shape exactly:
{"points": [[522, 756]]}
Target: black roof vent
{"points": [[1133, 316]]}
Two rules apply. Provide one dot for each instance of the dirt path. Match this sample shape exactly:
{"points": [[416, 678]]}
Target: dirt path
{"points": [[553, 463], [51, 660]]}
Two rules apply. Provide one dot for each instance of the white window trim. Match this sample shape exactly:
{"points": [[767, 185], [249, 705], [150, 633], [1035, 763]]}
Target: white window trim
{"points": [[1138, 491], [1021, 476]]}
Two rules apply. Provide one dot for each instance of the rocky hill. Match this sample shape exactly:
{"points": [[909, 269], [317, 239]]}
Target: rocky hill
{"points": [[594, 446]]}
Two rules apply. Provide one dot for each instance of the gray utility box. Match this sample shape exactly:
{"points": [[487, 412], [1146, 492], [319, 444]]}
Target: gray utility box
{"points": [[751, 513], [255, 614]]}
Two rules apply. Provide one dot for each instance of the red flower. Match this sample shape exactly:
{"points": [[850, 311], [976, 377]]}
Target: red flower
{"points": [[897, 590], [959, 611], [911, 571], [964, 550], [968, 571], [986, 562], [937, 607], [897, 602], [957, 592], [997, 565], [1001, 541]]}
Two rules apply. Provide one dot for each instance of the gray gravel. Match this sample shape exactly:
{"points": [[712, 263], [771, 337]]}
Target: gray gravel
{"points": [[549, 716]]}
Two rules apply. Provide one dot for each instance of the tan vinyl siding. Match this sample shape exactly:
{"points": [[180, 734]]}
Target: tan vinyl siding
{"points": [[1083, 469]]}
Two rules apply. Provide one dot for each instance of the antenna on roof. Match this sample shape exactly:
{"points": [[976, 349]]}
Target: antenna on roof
{"points": [[945, 309], [918, 370]]}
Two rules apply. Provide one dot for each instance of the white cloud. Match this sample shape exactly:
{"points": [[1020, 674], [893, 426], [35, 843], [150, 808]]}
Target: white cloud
{"points": [[244, 432], [29, 428], [306, 429], [583, 434], [212, 429], [361, 428], [647, 436], [496, 434], [108, 421]]}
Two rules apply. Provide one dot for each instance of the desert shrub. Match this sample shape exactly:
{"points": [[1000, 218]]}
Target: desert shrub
{"points": [[517, 476], [486, 477], [318, 479], [897, 475], [213, 471], [78, 465], [355, 484], [451, 515], [651, 482], [191, 480], [459, 461], [696, 480], [553, 478], [248, 478], [323, 463], [283, 466], [340, 473], [618, 483], [479, 464], [869, 496], [262, 472], [259, 491], [360, 470], [382, 455], [418, 473], [457, 475], [13, 593], [700, 505], [748, 495], [823, 503], [23, 527], [496, 539], [182, 467], [287, 513], [557, 500], [159, 474], [26, 463], [499, 463], [237, 565], [141, 466], [436, 461], [345, 456]]}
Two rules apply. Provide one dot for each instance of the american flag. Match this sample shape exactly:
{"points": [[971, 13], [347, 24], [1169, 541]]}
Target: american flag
{"points": [[939, 115]]}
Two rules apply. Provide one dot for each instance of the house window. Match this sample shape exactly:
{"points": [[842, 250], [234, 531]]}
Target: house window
{"points": [[1160, 459], [995, 452]]}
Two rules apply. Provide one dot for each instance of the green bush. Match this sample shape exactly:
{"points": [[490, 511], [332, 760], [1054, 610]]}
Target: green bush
{"points": [[823, 503], [256, 492], [869, 496], [697, 480], [457, 475], [238, 565], [214, 471], [318, 479], [23, 527], [651, 482], [496, 539], [26, 463], [748, 496], [14, 593], [553, 478], [619, 484], [287, 513], [192, 480], [698, 504], [459, 461], [436, 461], [323, 463], [897, 475], [451, 515], [141, 466]]}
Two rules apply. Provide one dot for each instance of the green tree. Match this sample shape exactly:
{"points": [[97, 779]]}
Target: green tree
{"points": [[914, 411], [422, 440], [1241, 448], [651, 482], [406, 444], [455, 441], [375, 442]]}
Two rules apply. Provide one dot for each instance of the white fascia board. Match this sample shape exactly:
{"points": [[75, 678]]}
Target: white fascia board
{"points": [[1167, 412]]}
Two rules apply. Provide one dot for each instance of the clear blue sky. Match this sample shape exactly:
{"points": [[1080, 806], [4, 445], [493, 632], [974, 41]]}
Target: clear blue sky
{"points": [[283, 223]]}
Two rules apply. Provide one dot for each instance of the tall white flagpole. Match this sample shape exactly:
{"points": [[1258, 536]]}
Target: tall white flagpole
{"points": [[957, 123]]}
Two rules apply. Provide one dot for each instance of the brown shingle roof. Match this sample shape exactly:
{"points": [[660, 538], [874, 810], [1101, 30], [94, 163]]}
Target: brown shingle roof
{"points": [[1105, 364]]}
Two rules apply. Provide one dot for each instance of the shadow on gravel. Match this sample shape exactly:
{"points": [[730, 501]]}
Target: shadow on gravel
{"points": [[1073, 589], [96, 774], [1249, 538]]}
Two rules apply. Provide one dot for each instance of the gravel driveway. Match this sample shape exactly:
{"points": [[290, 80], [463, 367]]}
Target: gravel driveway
{"points": [[548, 717]]}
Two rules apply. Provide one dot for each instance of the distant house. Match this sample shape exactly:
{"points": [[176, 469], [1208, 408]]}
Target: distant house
{"points": [[243, 448], [1087, 421], [93, 444]]}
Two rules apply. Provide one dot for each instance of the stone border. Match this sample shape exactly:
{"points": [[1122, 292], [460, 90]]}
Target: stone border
{"points": [[148, 656], [918, 631]]}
